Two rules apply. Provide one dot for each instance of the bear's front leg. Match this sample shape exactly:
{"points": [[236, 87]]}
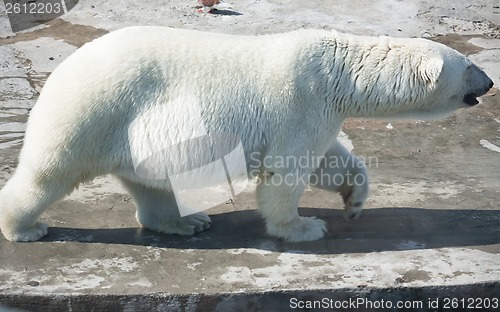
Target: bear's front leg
{"points": [[278, 198], [341, 171]]}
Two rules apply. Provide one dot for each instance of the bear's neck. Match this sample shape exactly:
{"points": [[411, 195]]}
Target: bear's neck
{"points": [[361, 80]]}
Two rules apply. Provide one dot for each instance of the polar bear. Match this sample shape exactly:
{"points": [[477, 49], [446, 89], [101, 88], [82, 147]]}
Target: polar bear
{"points": [[284, 95]]}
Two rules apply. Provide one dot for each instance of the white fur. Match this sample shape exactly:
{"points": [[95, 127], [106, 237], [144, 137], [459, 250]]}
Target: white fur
{"points": [[283, 95]]}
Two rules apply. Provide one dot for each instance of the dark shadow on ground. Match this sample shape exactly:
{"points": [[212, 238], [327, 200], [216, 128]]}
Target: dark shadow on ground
{"points": [[225, 12], [381, 229]]}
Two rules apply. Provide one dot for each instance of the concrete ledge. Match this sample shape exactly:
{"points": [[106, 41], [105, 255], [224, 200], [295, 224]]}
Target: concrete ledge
{"points": [[440, 298]]}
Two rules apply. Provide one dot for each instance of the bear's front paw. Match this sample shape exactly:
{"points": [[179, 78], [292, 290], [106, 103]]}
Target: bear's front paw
{"points": [[354, 197], [352, 209], [301, 229], [31, 234]]}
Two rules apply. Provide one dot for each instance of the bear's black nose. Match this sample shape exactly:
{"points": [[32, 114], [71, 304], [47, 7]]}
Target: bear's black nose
{"points": [[491, 84]]}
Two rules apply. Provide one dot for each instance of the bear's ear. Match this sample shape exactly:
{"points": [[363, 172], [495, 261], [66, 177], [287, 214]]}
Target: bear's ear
{"points": [[430, 69]]}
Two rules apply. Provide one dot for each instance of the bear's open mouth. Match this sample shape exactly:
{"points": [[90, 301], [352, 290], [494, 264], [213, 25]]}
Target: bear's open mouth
{"points": [[470, 99]]}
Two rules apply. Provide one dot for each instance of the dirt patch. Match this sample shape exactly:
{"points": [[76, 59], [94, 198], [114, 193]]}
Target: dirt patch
{"points": [[459, 42], [74, 34]]}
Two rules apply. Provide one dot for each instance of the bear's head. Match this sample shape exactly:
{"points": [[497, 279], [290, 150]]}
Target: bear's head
{"points": [[422, 79], [448, 80]]}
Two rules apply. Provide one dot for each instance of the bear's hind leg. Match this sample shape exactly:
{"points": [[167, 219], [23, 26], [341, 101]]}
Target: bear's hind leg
{"points": [[157, 210], [278, 205], [23, 199]]}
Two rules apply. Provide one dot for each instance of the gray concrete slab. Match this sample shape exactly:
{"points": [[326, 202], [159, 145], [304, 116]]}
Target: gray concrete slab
{"points": [[431, 229]]}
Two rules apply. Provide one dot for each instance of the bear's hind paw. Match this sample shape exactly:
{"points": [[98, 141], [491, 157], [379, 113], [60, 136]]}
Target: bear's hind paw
{"points": [[188, 225], [302, 229], [31, 234]]}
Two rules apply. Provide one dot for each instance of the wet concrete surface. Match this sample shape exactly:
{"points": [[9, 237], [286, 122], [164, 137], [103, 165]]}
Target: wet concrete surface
{"points": [[431, 229]]}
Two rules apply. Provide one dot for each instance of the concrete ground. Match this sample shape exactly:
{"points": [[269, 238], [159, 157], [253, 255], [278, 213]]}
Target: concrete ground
{"points": [[429, 238]]}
